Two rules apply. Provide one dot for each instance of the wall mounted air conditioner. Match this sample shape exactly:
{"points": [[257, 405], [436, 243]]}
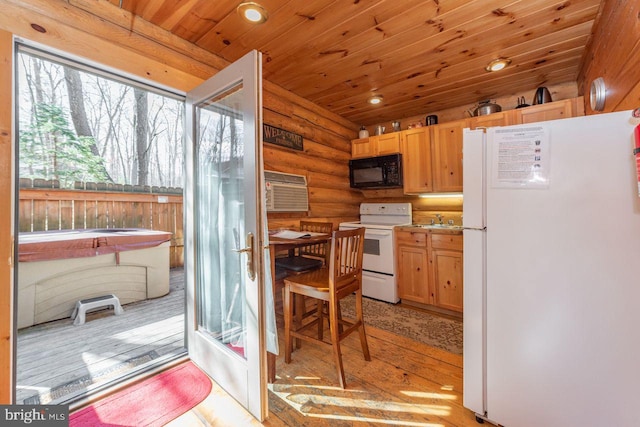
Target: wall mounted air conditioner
{"points": [[286, 192]]}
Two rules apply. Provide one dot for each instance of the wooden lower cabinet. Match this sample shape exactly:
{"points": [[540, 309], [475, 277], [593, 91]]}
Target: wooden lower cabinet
{"points": [[413, 274], [412, 265], [429, 265], [447, 279], [445, 255]]}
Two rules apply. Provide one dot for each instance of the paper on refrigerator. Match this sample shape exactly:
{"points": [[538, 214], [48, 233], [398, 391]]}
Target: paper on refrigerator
{"points": [[520, 157]]}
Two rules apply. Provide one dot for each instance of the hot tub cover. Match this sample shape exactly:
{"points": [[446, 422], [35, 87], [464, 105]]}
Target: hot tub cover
{"points": [[52, 245]]}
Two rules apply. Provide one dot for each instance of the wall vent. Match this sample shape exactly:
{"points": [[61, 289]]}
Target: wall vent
{"points": [[286, 192]]}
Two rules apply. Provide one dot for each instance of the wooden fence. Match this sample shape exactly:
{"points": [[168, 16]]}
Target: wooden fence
{"points": [[43, 209]]}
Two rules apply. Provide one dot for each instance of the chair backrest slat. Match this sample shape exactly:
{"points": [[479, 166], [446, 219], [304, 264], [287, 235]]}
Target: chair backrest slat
{"points": [[319, 250], [345, 264]]}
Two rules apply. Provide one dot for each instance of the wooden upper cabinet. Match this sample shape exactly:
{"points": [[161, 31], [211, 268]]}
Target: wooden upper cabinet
{"points": [[416, 160], [550, 111], [446, 148], [563, 109], [432, 155], [379, 145], [503, 118], [363, 147], [387, 143]]}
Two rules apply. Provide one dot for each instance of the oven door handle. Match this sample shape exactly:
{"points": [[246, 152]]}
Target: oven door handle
{"points": [[377, 233]]}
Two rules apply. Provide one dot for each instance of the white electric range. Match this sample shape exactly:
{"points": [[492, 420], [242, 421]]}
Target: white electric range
{"points": [[379, 278]]}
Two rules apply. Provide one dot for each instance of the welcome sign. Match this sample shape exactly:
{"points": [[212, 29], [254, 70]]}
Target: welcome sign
{"points": [[281, 137]]}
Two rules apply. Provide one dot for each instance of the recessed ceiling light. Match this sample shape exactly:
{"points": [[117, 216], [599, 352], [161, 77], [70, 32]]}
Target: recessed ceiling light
{"points": [[498, 64], [253, 12], [376, 99]]}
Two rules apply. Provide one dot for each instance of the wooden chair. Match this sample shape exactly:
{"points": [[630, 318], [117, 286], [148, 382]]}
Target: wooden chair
{"points": [[309, 257], [340, 278]]}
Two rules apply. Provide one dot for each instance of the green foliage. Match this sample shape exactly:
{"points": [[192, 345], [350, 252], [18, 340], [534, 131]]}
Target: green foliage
{"points": [[50, 149]]}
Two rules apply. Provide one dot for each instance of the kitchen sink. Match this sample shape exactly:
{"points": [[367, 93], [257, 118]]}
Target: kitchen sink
{"points": [[440, 226]]}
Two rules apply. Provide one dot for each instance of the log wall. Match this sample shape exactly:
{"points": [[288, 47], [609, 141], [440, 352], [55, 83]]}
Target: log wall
{"points": [[324, 160], [613, 53], [134, 46]]}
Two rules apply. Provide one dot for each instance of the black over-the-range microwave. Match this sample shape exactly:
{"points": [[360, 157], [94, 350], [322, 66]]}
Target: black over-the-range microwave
{"points": [[376, 172]]}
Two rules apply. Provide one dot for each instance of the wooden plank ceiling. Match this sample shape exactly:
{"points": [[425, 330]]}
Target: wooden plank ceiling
{"points": [[420, 55]]}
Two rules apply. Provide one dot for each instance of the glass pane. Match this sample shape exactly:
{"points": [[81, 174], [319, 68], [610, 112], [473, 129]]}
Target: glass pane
{"points": [[82, 128], [371, 246], [220, 231]]}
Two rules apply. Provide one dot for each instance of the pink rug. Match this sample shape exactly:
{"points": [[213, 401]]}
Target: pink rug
{"points": [[152, 402]]}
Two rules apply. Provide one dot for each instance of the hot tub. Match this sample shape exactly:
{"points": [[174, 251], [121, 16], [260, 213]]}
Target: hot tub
{"points": [[58, 268]]}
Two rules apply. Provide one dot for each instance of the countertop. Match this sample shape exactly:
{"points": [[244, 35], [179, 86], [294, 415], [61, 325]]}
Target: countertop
{"points": [[435, 228]]}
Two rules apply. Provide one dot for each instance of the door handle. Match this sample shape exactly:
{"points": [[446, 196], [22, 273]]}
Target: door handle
{"points": [[251, 271]]}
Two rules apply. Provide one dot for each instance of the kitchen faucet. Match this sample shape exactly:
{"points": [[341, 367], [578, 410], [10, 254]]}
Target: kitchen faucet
{"points": [[439, 216]]}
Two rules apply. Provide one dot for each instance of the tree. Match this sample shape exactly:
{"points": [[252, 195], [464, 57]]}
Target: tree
{"points": [[69, 158], [142, 136], [79, 115], [136, 132]]}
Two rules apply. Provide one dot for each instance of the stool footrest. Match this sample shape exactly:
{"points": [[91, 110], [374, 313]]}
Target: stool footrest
{"points": [[85, 305]]}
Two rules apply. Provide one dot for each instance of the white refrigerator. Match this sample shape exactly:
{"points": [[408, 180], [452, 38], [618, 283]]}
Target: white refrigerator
{"points": [[551, 222]]}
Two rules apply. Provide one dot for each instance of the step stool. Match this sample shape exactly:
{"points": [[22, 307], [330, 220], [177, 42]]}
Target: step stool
{"points": [[84, 305]]}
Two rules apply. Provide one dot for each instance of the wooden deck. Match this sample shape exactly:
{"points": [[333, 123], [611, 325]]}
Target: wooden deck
{"points": [[57, 359]]}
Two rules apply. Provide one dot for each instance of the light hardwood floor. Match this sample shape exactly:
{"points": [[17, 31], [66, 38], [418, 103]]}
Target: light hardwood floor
{"points": [[405, 384]]}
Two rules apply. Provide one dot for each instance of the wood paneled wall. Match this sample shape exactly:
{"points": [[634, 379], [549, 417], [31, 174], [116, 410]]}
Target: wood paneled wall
{"points": [[613, 53], [134, 46]]}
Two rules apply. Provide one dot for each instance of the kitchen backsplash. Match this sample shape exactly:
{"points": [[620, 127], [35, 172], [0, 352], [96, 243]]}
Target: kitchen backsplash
{"points": [[425, 217], [423, 209]]}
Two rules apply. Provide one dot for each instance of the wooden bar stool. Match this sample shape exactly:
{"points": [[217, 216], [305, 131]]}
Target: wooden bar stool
{"points": [[342, 277]]}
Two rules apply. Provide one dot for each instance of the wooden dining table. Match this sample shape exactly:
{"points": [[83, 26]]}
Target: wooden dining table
{"points": [[276, 245]]}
